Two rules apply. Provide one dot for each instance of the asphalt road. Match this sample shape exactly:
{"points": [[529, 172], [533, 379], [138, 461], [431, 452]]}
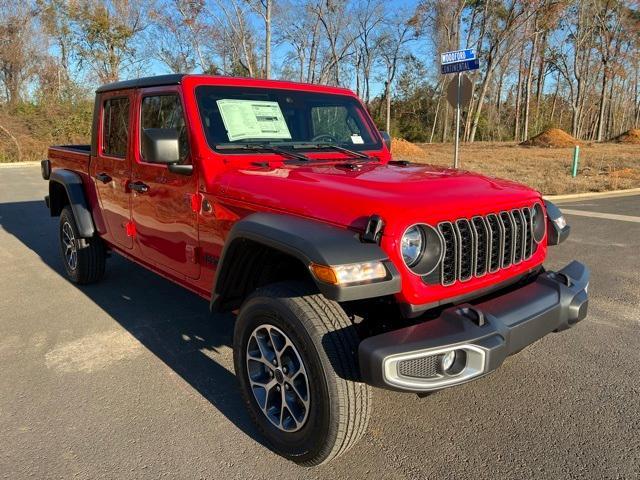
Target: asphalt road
{"points": [[132, 378]]}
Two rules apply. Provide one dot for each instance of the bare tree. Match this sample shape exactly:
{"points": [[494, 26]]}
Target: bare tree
{"points": [[175, 39], [264, 8], [107, 35], [399, 31], [18, 52], [299, 28], [369, 18], [504, 23], [608, 29], [230, 17], [441, 18], [575, 62], [56, 24], [334, 18]]}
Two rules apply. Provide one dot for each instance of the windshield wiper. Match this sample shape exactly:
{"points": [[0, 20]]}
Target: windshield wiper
{"points": [[262, 146], [334, 147]]}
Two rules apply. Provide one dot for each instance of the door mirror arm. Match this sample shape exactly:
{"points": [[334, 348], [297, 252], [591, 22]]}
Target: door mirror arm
{"points": [[180, 169]]}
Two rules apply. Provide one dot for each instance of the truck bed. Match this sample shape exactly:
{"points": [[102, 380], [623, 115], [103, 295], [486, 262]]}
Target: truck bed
{"points": [[79, 148], [72, 157]]}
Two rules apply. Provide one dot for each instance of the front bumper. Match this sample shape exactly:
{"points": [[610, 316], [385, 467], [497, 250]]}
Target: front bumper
{"points": [[483, 334]]}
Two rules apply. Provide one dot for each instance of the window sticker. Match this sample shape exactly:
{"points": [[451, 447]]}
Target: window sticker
{"points": [[248, 119], [357, 139]]}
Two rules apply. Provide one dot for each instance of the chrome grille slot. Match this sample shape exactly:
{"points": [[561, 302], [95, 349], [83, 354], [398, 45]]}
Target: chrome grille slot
{"points": [[518, 219], [497, 242], [466, 249], [449, 266], [518, 235], [483, 241], [507, 254], [528, 227], [486, 244]]}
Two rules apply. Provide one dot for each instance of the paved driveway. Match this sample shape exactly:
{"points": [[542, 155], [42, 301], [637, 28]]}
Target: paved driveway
{"points": [[132, 378]]}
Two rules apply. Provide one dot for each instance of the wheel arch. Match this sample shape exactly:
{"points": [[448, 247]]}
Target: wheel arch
{"points": [[66, 188], [266, 247]]}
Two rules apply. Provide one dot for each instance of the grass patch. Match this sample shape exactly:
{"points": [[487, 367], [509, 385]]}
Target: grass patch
{"points": [[603, 166]]}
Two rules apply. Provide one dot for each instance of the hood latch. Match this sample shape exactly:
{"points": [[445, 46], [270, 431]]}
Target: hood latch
{"points": [[373, 230]]}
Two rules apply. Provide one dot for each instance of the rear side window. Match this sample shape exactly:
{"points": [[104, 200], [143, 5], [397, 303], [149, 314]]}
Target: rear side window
{"points": [[115, 131], [165, 111]]}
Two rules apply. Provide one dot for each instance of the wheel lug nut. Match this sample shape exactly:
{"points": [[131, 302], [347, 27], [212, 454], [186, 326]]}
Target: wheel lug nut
{"points": [[275, 362], [284, 369], [277, 388], [287, 387], [271, 373]]}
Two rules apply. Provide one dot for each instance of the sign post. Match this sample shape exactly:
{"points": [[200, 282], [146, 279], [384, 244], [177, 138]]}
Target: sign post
{"points": [[456, 155], [459, 90]]}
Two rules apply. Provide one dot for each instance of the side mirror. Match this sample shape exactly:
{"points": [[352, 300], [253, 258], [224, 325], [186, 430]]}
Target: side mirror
{"points": [[386, 138], [161, 145]]}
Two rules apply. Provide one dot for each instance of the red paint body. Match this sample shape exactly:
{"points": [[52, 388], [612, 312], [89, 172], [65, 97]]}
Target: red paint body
{"points": [[173, 230]]}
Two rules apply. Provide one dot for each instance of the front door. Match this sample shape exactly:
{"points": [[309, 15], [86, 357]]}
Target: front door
{"points": [[111, 168], [165, 222]]}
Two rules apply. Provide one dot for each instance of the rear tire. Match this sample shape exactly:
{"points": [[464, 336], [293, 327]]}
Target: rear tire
{"points": [[83, 258], [288, 324]]}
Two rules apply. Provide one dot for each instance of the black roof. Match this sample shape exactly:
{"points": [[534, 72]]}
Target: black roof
{"points": [[157, 81]]}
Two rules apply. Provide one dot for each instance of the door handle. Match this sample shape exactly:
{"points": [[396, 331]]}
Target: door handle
{"points": [[103, 177], [138, 187]]}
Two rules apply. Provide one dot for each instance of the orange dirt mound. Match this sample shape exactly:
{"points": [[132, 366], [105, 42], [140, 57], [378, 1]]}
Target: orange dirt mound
{"points": [[630, 136], [551, 138], [404, 150]]}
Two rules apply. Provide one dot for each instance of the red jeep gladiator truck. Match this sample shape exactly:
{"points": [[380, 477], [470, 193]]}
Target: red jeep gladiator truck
{"points": [[347, 269]]}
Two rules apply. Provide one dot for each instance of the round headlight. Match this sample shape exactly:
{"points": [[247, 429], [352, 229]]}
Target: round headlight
{"points": [[539, 224], [421, 249], [412, 245]]}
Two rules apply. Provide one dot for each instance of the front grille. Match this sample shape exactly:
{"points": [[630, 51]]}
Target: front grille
{"points": [[423, 367], [485, 244]]}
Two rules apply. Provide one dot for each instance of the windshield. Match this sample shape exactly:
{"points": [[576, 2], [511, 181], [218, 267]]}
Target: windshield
{"points": [[286, 118]]}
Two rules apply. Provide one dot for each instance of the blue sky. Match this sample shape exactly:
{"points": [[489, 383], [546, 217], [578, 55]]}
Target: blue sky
{"points": [[420, 48]]}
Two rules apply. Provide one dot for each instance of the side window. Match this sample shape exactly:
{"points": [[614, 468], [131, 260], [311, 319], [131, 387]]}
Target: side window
{"points": [[165, 111], [115, 127]]}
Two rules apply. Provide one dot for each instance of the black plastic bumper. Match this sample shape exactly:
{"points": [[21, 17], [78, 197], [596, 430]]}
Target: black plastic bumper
{"points": [[486, 332]]}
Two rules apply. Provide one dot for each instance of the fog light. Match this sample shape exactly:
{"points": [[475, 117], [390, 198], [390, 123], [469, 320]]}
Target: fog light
{"points": [[448, 359], [453, 362]]}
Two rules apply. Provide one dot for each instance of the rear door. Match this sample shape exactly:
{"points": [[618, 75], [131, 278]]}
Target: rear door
{"points": [[165, 221], [111, 168]]}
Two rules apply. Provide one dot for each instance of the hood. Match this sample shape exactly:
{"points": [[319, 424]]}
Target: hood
{"points": [[401, 195]]}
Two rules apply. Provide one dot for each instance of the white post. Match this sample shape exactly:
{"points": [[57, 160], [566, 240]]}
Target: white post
{"points": [[457, 150]]}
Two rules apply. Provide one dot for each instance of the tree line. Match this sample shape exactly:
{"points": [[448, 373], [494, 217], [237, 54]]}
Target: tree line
{"points": [[573, 64]]}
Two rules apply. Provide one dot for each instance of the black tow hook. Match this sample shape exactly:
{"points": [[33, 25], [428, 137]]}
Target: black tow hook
{"points": [[473, 314]]}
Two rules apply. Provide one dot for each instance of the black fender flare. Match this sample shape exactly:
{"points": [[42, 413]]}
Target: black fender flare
{"points": [[310, 242], [72, 183]]}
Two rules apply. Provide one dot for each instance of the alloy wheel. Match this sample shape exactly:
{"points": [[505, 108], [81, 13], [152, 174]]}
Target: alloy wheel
{"points": [[278, 378], [69, 245]]}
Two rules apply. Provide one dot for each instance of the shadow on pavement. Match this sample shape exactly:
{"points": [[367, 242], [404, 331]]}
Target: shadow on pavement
{"points": [[173, 323]]}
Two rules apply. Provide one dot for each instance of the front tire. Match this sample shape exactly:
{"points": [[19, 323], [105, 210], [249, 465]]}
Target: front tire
{"points": [[84, 258], [295, 359]]}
